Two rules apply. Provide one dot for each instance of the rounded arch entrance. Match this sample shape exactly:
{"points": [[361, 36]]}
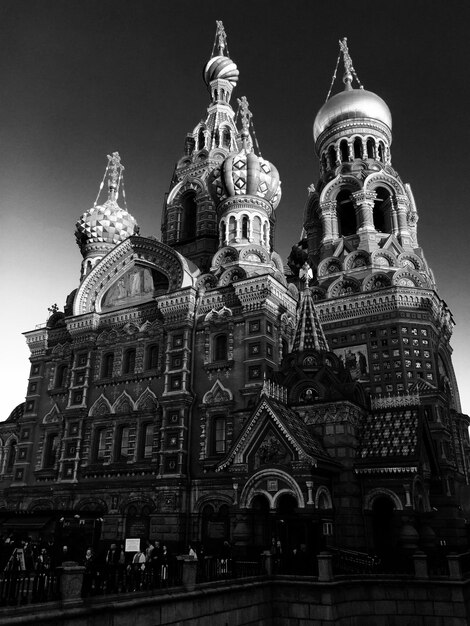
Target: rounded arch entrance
{"points": [[215, 526], [385, 524]]}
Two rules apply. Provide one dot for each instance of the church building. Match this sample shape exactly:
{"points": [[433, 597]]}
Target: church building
{"points": [[196, 389]]}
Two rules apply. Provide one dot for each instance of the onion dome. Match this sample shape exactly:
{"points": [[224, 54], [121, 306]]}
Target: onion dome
{"points": [[352, 106], [220, 66], [246, 174], [107, 223]]}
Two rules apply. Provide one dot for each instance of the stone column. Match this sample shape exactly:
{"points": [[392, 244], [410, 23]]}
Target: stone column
{"points": [[325, 567], [329, 221], [420, 561], [189, 571], [455, 569], [309, 484], [71, 581], [364, 205], [402, 211]]}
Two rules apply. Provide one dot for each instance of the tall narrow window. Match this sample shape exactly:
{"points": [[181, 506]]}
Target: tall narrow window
{"points": [[108, 363], [370, 148], [189, 216], [346, 214], [123, 444], [100, 445], [50, 451], [226, 138], [219, 435], [61, 377], [201, 140], [11, 456], [357, 148], [344, 149], [147, 441], [129, 361], [244, 227], [152, 357], [332, 156], [220, 348], [381, 152], [232, 229]]}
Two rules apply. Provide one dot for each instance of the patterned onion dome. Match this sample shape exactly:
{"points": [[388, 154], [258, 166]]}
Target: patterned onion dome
{"points": [[105, 224], [351, 104], [246, 174], [221, 67]]}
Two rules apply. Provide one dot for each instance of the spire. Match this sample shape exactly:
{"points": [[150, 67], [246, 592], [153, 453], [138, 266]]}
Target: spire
{"points": [[221, 38], [245, 116], [114, 170], [349, 70], [309, 334]]}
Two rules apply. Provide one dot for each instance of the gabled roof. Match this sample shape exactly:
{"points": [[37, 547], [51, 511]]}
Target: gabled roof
{"points": [[290, 426]]}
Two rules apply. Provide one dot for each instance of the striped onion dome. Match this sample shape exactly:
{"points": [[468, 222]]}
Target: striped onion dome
{"points": [[221, 67]]}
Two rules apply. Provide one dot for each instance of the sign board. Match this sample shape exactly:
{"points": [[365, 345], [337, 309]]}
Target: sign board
{"points": [[132, 545]]}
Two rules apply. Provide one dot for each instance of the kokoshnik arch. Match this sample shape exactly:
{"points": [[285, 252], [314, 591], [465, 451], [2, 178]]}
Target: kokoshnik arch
{"points": [[195, 389]]}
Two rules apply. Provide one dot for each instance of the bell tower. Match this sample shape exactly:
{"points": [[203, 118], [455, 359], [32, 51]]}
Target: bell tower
{"points": [[374, 290], [189, 220]]}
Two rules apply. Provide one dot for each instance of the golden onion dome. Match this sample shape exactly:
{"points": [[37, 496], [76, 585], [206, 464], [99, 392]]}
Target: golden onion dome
{"points": [[351, 104], [221, 67]]}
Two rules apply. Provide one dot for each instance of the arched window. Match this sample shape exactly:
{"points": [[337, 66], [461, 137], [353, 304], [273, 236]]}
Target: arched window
{"points": [[129, 361], [216, 138], [332, 156], [189, 216], [220, 348], [323, 162], [344, 149], [265, 234], [152, 357], [216, 95], [219, 435], [50, 450], [256, 232], [226, 138], [232, 229], [346, 214], [381, 152], [61, 376], [201, 140], [383, 211], [245, 227], [108, 363], [357, 148], [370, 148]]}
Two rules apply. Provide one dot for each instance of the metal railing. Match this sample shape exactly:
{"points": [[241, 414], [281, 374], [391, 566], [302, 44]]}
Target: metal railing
{"points": [[211, 568], [350, 562], [22, 587]]}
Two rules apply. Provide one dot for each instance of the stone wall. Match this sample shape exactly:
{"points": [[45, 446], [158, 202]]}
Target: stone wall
{"points": [[283, 601]]}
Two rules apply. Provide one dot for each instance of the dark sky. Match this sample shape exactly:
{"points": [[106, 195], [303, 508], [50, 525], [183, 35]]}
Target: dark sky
{"points": [[82, 78]]}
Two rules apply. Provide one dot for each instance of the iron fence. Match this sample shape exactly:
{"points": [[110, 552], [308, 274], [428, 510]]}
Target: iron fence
{"points": [[22, 587]]}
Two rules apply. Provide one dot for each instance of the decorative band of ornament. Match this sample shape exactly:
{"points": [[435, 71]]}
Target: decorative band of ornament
{"points": [[388, 402], [386, 470], [273, 390]]}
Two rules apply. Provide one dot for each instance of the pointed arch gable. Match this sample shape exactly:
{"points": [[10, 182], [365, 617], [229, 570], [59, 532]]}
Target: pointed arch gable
{"points": [[146, 400], [217, 394], [101, 406], [123, 404], [53, 416], [134, 252]]}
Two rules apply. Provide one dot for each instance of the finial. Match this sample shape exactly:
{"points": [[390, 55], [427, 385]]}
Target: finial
{"points": [[52, 309], [221, 37], [349, 70], [305, 275], [115, 169], [245, 115]]}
